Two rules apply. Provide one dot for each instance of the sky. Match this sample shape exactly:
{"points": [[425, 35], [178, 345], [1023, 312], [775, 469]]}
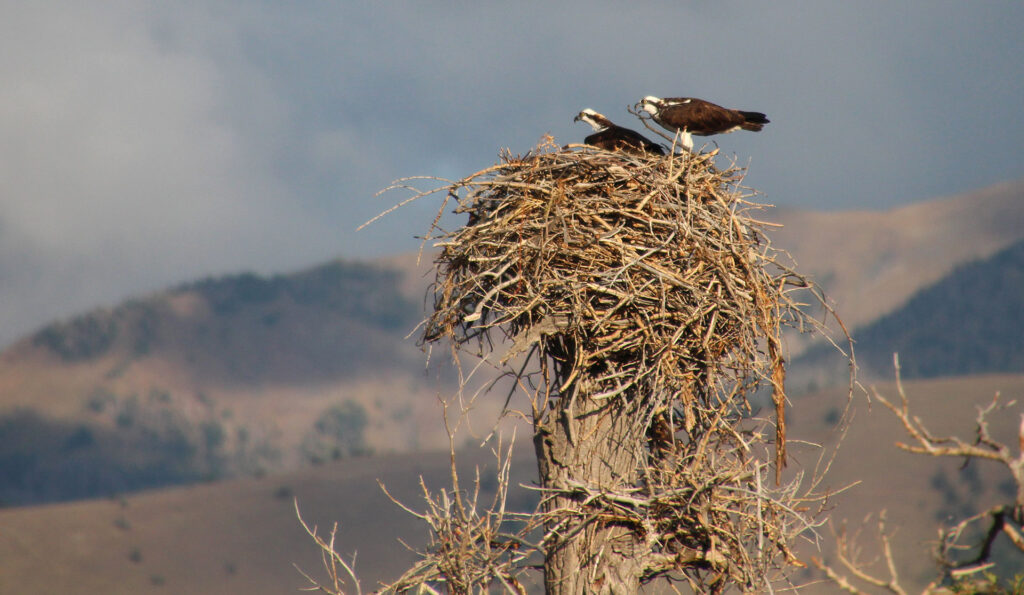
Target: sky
{"points": [[145, 144]]}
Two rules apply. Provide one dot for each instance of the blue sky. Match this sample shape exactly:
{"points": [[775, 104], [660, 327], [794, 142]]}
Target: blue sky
{"points": [[149, 143]]}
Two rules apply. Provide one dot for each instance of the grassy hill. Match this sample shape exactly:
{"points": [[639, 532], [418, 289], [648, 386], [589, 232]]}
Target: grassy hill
{"points": [[249, 330], [235, 375], [241, 536], [871, 262]]}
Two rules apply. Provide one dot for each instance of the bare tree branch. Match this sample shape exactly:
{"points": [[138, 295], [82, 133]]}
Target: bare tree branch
{"points": [[338, 569], [1002, 519]]}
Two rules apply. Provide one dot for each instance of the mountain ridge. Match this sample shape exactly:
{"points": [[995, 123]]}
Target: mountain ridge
{"points": [[969, 322], [871, 262], [251, 374]]}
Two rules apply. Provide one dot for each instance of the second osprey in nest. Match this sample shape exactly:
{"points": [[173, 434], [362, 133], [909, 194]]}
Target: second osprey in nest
{"points": [[611, 137], [690, 115]]}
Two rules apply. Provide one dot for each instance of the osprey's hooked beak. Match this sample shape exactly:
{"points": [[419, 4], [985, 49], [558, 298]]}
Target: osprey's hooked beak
{"points": [[577, 118]]}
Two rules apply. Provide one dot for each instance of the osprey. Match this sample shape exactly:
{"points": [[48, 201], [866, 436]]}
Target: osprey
{"points": [[610, 137], [696, 116]]}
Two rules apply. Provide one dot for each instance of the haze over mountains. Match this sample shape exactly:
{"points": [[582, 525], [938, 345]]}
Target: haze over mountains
{"points": [[246, 374], [228, 376], [970, 322]]}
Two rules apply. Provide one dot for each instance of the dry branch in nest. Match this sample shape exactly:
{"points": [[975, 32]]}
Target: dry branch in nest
{"points": [[647, 276], [636, 300]]}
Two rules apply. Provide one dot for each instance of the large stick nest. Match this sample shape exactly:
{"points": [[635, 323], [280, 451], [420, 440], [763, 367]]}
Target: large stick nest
{"points": [[644, 283], [638, 276]]}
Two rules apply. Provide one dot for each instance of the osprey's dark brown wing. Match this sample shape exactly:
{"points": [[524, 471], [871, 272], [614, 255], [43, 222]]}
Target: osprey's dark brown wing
{"points": [[617, 138], [704, 118]]}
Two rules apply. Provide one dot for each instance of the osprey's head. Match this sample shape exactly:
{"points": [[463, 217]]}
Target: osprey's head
{"points": [[596, 120], [650, 104]]}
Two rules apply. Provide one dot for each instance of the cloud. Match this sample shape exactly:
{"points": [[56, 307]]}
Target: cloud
{"points": [[120, 171], [149, 143]]}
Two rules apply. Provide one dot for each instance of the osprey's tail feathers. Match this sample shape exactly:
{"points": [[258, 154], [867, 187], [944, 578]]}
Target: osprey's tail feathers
{"points": [[753, 120]]}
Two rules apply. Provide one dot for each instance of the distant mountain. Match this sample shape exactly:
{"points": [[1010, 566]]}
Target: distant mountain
{"points": [[246, 329], [970, 322], [871, 262], [246, 374], [234, 375]]}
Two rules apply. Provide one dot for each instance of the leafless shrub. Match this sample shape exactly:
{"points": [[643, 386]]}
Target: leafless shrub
{"points": [[471, 548], [851, 558]]}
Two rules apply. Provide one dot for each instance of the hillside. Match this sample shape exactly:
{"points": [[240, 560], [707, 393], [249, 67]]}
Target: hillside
{"points": [[238, 536], [967, 323], [871, 262], [247, 330], [246, 374], [228, 376], [918, 493], [970, 322], [241, 536]]}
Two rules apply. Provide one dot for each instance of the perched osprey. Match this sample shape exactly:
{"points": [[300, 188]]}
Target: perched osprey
{"points": [[696, 116], [610, 137]]}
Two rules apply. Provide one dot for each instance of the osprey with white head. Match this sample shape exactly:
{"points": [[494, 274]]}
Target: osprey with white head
{"points": [[691, 116], [611, 137]]}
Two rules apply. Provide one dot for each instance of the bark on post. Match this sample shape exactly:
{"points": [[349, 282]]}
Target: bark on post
{"points": [[603, 448]]}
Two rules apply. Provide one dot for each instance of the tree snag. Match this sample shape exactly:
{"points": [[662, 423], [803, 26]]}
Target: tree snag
{"points": [[637, 304]]}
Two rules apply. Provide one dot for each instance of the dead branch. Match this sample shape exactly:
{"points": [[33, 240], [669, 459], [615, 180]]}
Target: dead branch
{"points": [[848, 555], [1005, 519], [984, 447], [338, 569], [1002, 519], [472, 547]]}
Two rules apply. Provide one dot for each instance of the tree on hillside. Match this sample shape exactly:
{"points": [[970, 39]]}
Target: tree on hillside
{"points": [[636, 304]]}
